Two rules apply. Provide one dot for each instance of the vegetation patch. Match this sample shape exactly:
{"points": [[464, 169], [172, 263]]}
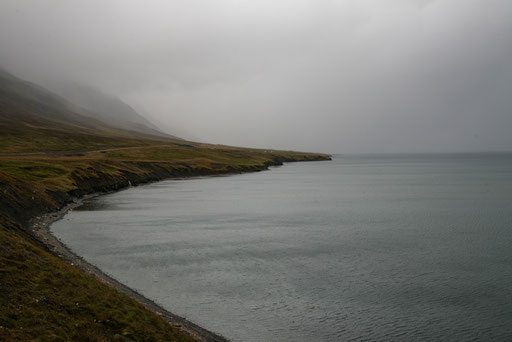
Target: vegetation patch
{"points": [[45, 299]]}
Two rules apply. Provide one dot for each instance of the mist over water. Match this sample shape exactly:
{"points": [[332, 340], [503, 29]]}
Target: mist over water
{"points": [[345, 76], [363, 247]]}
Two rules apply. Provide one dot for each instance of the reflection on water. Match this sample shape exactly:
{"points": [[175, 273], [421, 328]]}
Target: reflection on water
{"points": [[361, 248], [95, 204], [99, 204]]}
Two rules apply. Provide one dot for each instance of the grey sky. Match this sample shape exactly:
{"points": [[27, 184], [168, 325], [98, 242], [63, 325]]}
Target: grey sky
{"points": [[318, 75]]}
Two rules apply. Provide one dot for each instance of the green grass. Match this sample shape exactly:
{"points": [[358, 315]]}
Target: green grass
{"points": [[57, 171], [44, 299], [31, 170], [34, 140]]}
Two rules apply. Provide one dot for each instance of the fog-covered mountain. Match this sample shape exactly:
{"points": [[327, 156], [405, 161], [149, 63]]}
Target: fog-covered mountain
{"points": [[33, 118], [108, 108], [28, 106]]}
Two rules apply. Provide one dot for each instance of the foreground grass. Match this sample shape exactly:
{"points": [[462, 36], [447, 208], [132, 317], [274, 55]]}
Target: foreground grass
{"points": [[43, 298]]}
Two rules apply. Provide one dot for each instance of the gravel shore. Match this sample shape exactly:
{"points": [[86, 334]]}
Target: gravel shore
{"points": [[40, 227]]}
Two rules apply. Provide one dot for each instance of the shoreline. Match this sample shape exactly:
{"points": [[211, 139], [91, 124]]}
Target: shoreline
{"points": [[40, 228], [30, 216]]}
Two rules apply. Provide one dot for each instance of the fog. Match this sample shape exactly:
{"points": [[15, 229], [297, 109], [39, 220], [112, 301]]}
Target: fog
{"points": [[348, 76]]}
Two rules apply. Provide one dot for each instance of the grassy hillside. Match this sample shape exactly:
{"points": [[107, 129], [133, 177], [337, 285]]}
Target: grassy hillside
{"points": [[45, 299], [32, 119], [49, 156]]}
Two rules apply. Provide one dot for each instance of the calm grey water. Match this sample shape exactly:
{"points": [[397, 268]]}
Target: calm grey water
{"points": [[376, 248]]}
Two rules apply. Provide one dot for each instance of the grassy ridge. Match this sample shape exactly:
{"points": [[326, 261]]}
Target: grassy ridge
{"points": [[60, 172]]}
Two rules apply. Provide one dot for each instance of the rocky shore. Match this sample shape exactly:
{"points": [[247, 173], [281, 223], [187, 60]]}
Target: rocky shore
{"points": [[40, 227]]}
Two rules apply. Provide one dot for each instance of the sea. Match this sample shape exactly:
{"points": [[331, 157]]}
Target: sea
{"points": [[360, 248]]}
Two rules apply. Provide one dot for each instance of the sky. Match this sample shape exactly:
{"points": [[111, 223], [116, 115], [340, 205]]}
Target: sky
{"points": [[347, 76]]}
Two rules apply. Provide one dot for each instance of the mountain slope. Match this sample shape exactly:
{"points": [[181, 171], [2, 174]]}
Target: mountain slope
{"points": [[34, 119], [108, 109]]}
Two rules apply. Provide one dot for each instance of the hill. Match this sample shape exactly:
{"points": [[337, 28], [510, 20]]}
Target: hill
{"points": [[109, 109], [33, 119], [51, 155]]}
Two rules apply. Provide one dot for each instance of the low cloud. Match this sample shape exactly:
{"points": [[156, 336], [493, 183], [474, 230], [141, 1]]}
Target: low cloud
{"points": [[334, 76]]}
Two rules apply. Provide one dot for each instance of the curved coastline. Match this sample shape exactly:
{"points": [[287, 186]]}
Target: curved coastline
{"points": [[39, 228]]}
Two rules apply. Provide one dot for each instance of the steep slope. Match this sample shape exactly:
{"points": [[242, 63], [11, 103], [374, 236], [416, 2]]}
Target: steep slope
{"points": [[108, 109], [33, 119], [25, 104]]}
